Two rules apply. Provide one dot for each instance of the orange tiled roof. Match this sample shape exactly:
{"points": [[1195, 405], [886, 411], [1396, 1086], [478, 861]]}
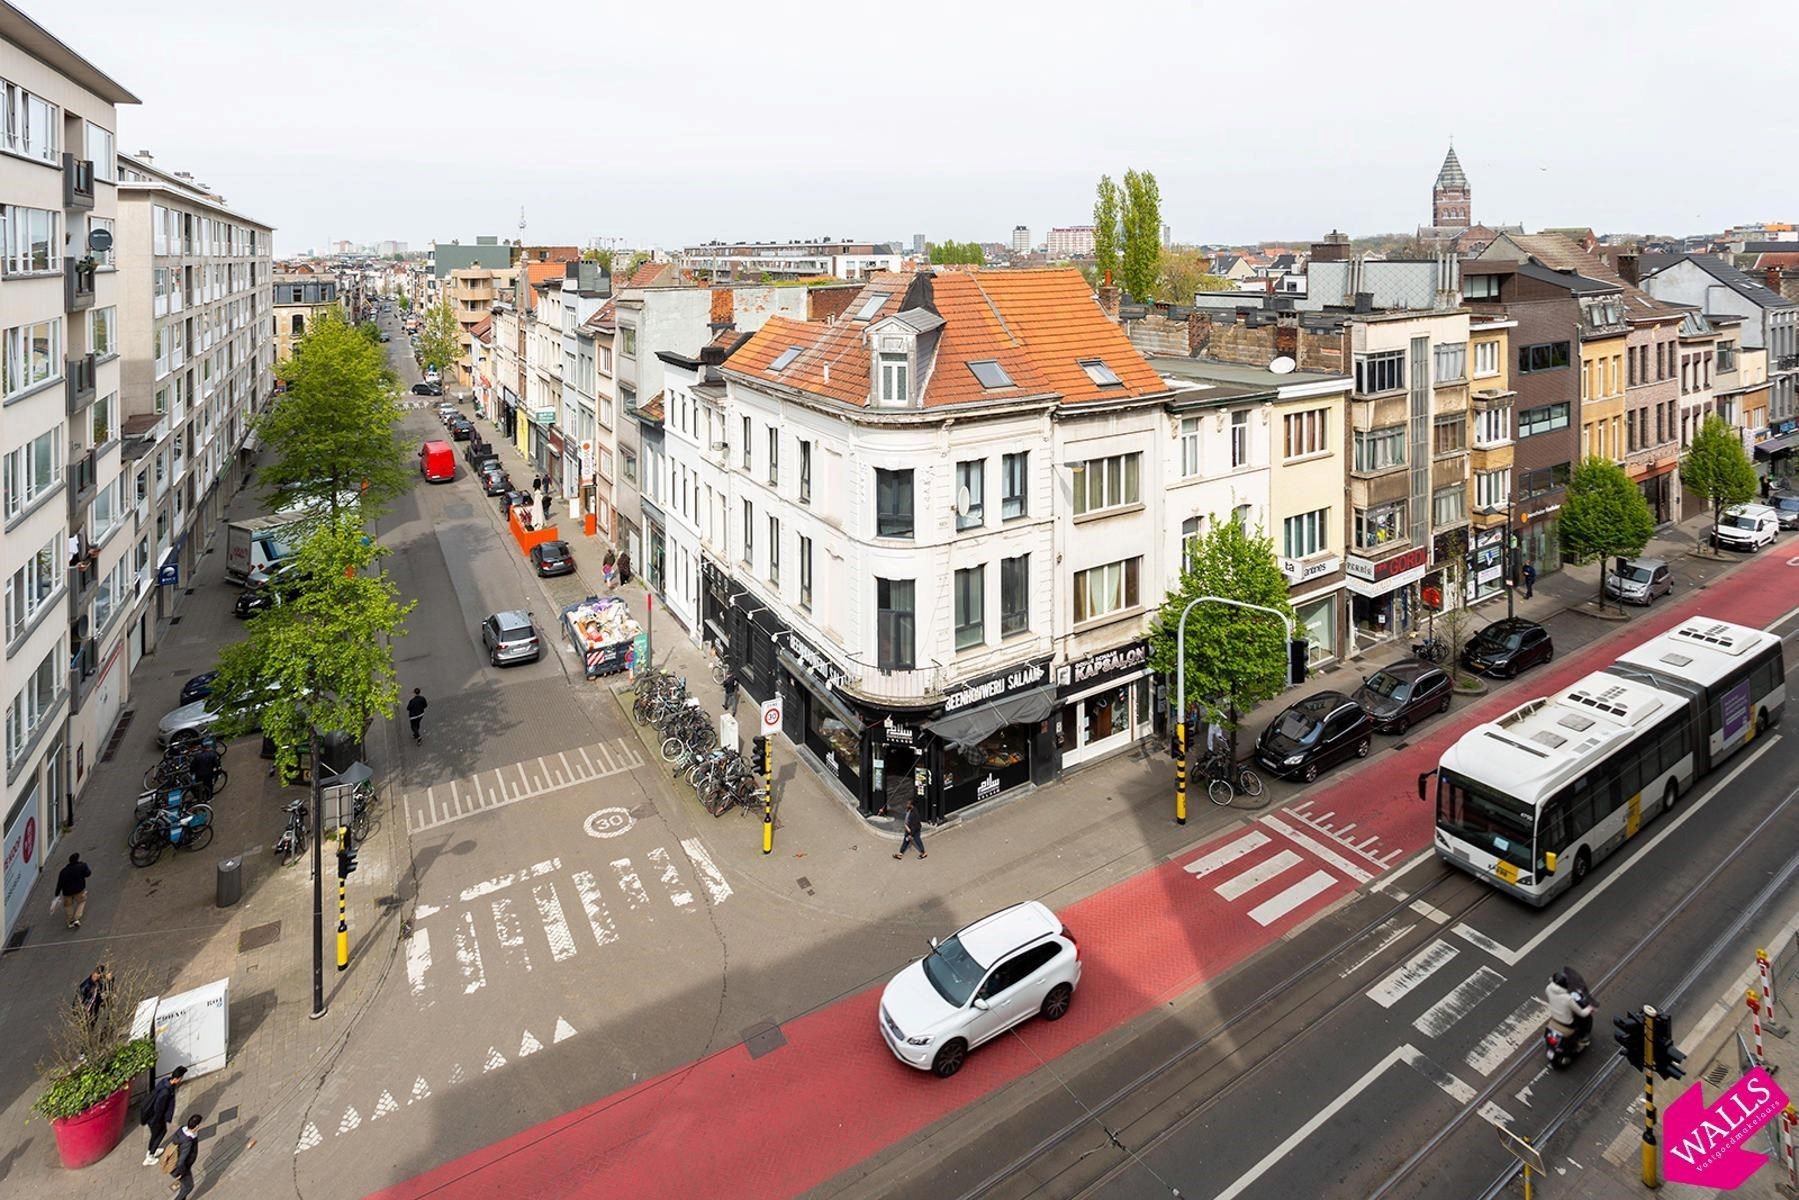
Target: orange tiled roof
{"points": [[604, 319], [652, 408], [655, 274], [540, 273], [482, 329], [1037, 325]]}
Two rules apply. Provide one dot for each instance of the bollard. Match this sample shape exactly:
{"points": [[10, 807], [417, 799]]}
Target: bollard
{"points": [[229, 886], [1789, 1128], [1755, 1021], [1762, 965]]}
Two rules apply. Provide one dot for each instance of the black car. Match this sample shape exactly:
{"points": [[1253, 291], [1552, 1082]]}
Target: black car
{"points": [[496, 482], [485, 462], [1508, 646], [427, 389], [198, 687], [1314, 735], [514, 499], [462, 429], [1404, 693], [552, 558], [1786, 507]]}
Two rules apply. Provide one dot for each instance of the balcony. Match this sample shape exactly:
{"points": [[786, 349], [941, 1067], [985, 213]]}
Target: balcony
{"points": [[79, 374], [77, 284], [77, 182], [872, 683], [84, 483], [1787, 362]]}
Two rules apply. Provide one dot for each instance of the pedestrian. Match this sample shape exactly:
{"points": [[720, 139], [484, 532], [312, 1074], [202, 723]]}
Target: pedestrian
{"points": [[94, 990], [159, 1110], [1530, 580], [537, 483], [624, 566], [546, 504], [730, 683], [914, 831], [205, 766], [187, 1149], [71, 885], [1767, 487], [415, 712], [608, 566]]}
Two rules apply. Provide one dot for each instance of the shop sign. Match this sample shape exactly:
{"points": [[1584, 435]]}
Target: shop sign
{"points": [[1119, 660], [810, 658], [1299, 570], [989, 787], [1369, 571], [1017, 679], [896, 735]]}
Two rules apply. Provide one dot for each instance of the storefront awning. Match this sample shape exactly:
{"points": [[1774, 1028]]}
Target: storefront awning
{"points": [[971, 728], [1777, 445]]}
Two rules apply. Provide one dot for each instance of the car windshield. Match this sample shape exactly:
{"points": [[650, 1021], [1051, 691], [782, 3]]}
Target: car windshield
{"points": [[1636, 574], [1492, 640], [953, 972], [1788, 504], [554, 549], [1298, 726], [1387, 686], [1740, 521], [1499, 824]]}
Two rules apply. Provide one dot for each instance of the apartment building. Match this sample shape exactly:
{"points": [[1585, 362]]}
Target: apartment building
{"points": [[1069, 241], [301, 296], [824, 258], [1770, 319], [64, 545], [1490, 457]]}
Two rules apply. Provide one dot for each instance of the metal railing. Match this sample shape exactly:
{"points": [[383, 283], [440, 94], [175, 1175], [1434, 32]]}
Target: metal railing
{"points": [[78, 283], [77, 182]]}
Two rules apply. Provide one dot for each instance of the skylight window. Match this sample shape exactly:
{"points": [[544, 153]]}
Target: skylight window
{"points": [[785, 359], [871, 306], [1100, 373], [990, 373]]}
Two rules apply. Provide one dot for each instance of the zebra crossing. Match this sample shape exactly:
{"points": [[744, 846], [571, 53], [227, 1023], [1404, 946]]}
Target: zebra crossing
{"points": [[543, 915], [442, 803], [1260, 873]]}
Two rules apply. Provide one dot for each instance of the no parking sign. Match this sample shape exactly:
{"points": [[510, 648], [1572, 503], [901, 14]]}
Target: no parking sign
{"points": [[771, 717]]}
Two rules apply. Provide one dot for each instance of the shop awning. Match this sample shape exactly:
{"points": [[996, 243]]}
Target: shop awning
{"points": [[1777, 445], [971, 728]]}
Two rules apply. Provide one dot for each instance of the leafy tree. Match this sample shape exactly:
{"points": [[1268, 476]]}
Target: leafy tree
{"points": [[334, 433], [323, 659], [637, 259], [1716, 467], [948, 254], [1105, 231], [1235, 658], [370, 331], [440, 337], [595, 254], [1181, 273], [405, 302], [1603, 514], [1142, 212]]}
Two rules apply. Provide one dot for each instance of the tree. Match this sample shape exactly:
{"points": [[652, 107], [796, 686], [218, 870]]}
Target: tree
{"points": [[370, 332], [1105, 231], [1181, 273], [949, 254], [323, 659], [405, 302], [637, 259], [595, 254], [1235, 658], [334, 433], [440, 337], [1716, 467], [1602, 515], [1142, 214]]}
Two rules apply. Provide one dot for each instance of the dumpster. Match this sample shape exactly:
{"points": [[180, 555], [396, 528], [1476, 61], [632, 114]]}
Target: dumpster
{"points": [[601, 629]]}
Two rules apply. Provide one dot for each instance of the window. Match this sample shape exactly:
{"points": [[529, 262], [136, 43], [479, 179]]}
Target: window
{"points": [[627, 341], [893, 380], [784, 359], [1383, 372], [1101, 591], [972, 476], [1014, 595], [1543, 419], [1102, 483], [749, 533], [33, 356], [990, 374], [1727, 356], [1240, 438], [971, 607], [1013, 471], [1492, 489], [1189, 447], [1451, 362], [1543, 356], [1378, 526], [1448, 505], [1192, 529], [102, 326], [806, 573], [1449, 432], [894, 624], [31, 124], [1306, 534], [1306, 432], [1241, 515], [1099, 372], [33, 584], [628, 463], [1661, 360], [31, 470], [99, 152], [893, 504], [1631, 368], [774, 457], [1486, 358], [30, 242], [1481, 287], [774, 551], [1543, 480], [1493, 426], [805, 472], [32, 705], [871, 306], [1379, 449], [299, 324], [105, 423]]}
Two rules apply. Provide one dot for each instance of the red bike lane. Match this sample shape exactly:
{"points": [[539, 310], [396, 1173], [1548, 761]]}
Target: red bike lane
{"points": [[730, 1125]]}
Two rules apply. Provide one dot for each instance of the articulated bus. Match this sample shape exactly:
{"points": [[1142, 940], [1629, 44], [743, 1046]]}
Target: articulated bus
{"points": [[1532, 801]]}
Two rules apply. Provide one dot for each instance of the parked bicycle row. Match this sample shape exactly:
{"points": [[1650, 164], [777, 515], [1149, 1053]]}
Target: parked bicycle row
{"points": [[722, 777]]}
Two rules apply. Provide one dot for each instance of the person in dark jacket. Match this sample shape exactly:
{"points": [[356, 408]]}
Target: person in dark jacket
{"points": [[415, 713], [914, 831], [205, 766], [187, 1150], [95, 990], [159, 1110], [730, 686], [624, 566], [71, 885]]}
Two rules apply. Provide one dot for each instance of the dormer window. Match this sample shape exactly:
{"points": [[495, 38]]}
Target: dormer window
{"points": [[1100, 373], [893, 381], [990, 374], [784, 359], [871, 306]]}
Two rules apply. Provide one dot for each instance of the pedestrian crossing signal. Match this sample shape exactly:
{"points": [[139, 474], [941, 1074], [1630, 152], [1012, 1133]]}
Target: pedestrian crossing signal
{"points": [[1630, 1038], [346, 858], [1298, 660]]}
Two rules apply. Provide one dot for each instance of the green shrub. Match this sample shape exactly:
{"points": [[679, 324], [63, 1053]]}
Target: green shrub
{"points": [[71, 1093]]}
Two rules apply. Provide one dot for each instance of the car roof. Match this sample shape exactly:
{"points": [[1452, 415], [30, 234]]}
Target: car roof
{"points": [[998, 934], [1322, 702], [435, 444], [511, 618], [558, 546], [1407, 668], [1510, 625], [1651, 563]]}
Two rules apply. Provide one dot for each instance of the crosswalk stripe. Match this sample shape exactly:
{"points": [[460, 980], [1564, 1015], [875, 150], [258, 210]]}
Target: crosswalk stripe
{"points": [[630, 884], [671, 877], [1490, 1053], [1272, 910], [710, 877], [1201, 867], [1420, 967], [555, 925], [511, 933], [604, 931], [468, 955], [1238, 885], [418, 960], [1459, 1003]]}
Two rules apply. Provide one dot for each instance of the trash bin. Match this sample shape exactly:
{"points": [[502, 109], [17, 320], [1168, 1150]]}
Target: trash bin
{"points": [[230, 882]]}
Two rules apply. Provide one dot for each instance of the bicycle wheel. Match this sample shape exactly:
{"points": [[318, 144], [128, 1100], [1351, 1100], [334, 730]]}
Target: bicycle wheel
{"points": [[1248, 782], [359, 824], [143, 830], [219, 779], [673, 748], [146, 850], [196, 839], [1219, 790]]}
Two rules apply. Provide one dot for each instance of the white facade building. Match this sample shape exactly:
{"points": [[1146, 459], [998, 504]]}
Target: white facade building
{"points": [[1070, 241]]}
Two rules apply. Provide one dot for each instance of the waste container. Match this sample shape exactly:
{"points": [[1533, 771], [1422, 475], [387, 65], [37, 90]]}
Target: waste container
{"points": [[230, 882]]}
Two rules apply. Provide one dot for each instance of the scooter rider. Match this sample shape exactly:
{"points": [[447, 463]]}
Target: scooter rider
{"points": [[1569, 1004]]}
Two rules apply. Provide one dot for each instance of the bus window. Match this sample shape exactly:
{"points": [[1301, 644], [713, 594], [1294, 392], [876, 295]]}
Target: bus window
{"points": [[1499, 825]]}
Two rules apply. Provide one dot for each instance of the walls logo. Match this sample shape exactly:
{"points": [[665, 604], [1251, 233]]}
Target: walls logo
{"points": [[1704, 1144]]}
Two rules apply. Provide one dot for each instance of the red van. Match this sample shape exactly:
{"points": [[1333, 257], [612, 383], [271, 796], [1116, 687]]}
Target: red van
{"points": [[437, 462]]}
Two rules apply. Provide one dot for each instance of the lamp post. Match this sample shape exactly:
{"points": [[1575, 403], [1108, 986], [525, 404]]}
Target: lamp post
{"points": [[1510, 555], [1180, 688], [318, 875]]}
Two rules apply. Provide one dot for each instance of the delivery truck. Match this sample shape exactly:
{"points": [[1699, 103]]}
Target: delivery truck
{"points": [[256, 544]]}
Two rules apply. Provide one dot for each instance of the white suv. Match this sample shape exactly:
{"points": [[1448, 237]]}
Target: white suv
{"points": [[977, 984]]}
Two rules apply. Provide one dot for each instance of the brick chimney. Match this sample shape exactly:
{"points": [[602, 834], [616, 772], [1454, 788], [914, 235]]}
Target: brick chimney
{"points": [[1334, 248], [1627, 266], [1109, 297], [1199, 330], [1772, 275]]}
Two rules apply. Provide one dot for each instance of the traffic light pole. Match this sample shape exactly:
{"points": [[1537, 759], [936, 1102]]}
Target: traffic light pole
{"points": [[1180, 688], [343, 925], [318, 877], [1652, 1177]]}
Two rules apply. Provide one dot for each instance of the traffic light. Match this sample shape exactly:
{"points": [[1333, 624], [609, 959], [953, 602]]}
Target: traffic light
{"points": [[346, 857], [1298, 651], [1661, 1036], [759, 754], [1630, 1038]]}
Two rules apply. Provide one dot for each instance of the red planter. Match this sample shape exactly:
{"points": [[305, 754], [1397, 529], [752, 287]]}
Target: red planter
{"points": [[84, 1140]]}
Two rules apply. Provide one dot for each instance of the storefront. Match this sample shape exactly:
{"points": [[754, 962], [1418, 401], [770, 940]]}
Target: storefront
{"points": [[1382, 602], [715, 606], [508, 419], [993, 735], [1486, 564], [655, 563], [1315, 619], [552, 465], [1540, 541], [1658, 492], [817, 718], [1103, 703]]}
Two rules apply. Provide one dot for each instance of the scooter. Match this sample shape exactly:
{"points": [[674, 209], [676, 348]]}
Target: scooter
{"points": [[1564, 1043]]}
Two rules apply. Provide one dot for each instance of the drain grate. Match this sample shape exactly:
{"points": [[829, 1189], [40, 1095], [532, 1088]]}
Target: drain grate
{"points": [[118, 735], [258, 936], [1718, 1074], [188, 592], [17, 939], [763, 1038]]}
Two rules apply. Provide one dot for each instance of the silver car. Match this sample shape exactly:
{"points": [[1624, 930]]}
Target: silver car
{"points": [[1639, 580], [511, 637]]}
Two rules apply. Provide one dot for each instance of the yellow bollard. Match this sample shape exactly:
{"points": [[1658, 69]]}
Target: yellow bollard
{"points": [[1180, 772]]}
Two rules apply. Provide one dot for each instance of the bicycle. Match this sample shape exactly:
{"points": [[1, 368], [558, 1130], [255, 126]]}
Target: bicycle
{"points": [[715, 662], [1222, 785], [184, 829], [291, 845]]}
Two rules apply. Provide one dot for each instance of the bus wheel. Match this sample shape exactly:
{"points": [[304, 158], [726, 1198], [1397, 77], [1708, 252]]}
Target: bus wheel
{"points": [[1670, 794], [1761, 720], [1583, 862]]}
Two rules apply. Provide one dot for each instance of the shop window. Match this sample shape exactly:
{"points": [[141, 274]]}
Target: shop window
{"points": [[1320, 621], [1375, 527], [974, 773], [830, 737]]}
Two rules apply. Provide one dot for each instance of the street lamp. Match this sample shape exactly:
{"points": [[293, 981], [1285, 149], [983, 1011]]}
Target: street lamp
{"points": [[1295, 674]]}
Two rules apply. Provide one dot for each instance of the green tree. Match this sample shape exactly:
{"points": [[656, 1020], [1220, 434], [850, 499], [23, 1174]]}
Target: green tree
{"points": [[637, 259], [1235, 658], [1181, 273], [405, 302], [1603, 514], [1105, 230], [1142, 219], [595, 254], [440, 337], [324, 659], [949, 254], [334, 433], [1716, 467], [370, 331]]}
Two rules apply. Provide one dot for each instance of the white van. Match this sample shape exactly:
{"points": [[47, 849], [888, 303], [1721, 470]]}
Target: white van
{"points": [[1748, 527]]}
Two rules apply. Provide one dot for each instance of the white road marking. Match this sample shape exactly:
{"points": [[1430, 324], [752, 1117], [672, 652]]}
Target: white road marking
{"points": [[630, 884], [1481, 941], [351, 1120], [511, 933], [309, 1137], [1505, 1039], [420, 1090], [671, 877], [536, 777], [1419, 968], [1496, 1115], [1430, 912], [500, 882], [418, 959], [1319, 848], [387, 1104], [495, 1060], [1438, 1019], [1388, 931], [1201, 867], [529, 1046], [1272, 910], [457, 1075], [1456, 1090], [1385, 882], [468, 955], [564, 1031], [555, 925], [710, 877], [604, 932], [426, 910], [1238, 885]]}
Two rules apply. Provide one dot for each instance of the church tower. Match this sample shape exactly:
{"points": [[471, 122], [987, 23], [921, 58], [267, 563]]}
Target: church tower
{"points": [[1451, 201]]}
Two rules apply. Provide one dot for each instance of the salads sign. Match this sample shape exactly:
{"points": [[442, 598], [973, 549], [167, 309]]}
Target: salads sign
{"points": [[994, 687]]}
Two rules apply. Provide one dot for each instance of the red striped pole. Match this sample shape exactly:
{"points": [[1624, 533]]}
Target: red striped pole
{"points": [[1789, 1127], [1761, 962], [1755, 1009]]}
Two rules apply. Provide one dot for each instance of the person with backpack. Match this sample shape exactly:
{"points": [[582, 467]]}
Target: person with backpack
{"points": [[159, 1110], [187, 1151]]}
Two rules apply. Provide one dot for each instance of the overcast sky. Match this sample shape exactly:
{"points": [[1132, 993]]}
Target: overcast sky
{"points": [[667, 123]]}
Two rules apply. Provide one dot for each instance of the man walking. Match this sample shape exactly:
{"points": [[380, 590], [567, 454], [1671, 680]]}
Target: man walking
{"points": [[159, 1110], [730, 685], [187, 1149], [1530, 580], [71, 885], [546, 504], [914, 831], [415, 712], [94, 990]]}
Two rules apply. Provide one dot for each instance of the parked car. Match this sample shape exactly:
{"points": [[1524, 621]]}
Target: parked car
{"points": [[476, 450], [1787, 508], [1508, 646], [384, 336], [198, 687], [195, 716], [426, 389], [1747, 527], [551, 558], [496, 482], [1018, 963], [1314, 735], [437, 462], [1638, 580], [510, 637], [447, 411], [514, 497], [462, 429], [431, 375], [1401, 694]]}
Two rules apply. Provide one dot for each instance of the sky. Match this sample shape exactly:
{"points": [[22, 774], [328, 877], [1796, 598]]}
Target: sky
{"points": [[668, 124]]}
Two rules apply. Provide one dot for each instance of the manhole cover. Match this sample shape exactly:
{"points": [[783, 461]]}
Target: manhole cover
{"points": [[258, 936], [763, 1038]]}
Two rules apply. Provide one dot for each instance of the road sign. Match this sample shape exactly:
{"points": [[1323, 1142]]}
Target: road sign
{"points": [[1520, 1149], [771, 715]]}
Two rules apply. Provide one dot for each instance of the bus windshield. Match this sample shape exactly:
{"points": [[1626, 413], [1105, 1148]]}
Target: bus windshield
{"points": [[1498, 824]]}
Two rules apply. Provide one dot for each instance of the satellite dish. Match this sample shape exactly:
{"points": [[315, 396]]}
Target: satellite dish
{"points": [[99, 240], [963, 500], [1283, 365]]}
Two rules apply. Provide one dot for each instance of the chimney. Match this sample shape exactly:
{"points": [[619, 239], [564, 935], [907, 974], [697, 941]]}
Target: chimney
{"points": [[1364, 302], [1334, 248], [146, 156], [1627, 266], [1109, 299], [1772, 276]]}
